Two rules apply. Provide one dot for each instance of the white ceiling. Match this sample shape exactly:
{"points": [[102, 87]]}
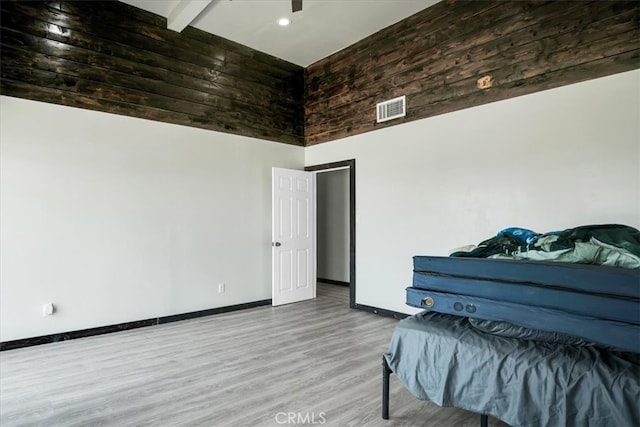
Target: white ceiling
{"points": [[320, 29]]}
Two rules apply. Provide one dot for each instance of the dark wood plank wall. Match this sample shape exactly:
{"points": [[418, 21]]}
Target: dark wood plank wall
{"points": [[109, 56], [436, 57]]}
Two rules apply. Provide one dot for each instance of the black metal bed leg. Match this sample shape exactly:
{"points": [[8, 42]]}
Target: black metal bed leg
{"points": [[484, 420], [386, 373]]}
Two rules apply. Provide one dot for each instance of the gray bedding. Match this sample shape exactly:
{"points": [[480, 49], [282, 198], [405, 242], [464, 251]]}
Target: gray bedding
{"points": [[446, 360]]}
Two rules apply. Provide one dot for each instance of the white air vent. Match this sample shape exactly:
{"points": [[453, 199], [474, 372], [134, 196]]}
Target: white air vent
{"points": [[392, 109]]}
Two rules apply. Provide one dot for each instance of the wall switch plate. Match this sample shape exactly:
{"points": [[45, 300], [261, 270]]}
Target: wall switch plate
{"points": [[221, 288]]}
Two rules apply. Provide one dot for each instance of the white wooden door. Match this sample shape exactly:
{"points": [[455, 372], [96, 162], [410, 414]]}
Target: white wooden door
{"points": [[293, 236]]}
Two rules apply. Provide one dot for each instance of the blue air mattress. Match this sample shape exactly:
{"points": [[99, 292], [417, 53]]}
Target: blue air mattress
{"points": [[596, 279], [607, 306], [597, 303], [621, 335]]}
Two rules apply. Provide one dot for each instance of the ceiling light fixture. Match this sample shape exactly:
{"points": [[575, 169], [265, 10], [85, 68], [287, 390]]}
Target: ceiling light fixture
{"points": [[283, 22]]}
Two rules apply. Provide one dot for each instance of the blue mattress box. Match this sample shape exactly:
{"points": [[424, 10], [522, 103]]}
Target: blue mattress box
{"points": [[621, 335], [594, 279]]}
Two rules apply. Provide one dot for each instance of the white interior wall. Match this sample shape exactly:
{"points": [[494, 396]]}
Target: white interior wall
{"points": [[333, 225], [546, 161], [116, 219]]}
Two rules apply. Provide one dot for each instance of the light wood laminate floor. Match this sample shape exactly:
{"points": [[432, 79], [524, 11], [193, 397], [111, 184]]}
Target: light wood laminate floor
{"points": [[317, 358]]}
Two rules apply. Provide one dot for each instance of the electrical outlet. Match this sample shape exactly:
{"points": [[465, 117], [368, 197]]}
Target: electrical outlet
{"points": [[221, 288], [48, 310]]}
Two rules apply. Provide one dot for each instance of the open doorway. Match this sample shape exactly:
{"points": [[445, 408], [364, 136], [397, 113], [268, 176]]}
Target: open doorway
{"points": [[332, 219], [341, 265]]}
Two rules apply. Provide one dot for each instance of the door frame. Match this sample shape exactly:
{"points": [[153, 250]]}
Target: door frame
{"points": [[351, 165]]}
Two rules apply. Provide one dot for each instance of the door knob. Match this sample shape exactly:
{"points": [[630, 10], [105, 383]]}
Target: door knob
{"points": [[276, 244]]}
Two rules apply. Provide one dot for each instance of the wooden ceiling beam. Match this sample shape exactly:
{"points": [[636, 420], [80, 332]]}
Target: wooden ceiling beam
{"points": [[184, 13]]}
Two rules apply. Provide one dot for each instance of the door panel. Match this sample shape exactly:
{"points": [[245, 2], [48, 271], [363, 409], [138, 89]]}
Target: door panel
{"points": [[294, 240]]}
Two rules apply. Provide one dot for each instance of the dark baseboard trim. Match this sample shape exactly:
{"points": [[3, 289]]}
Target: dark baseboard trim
{"points": [[333, 282], [64, 336], [212, 311], [381, 311]]}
